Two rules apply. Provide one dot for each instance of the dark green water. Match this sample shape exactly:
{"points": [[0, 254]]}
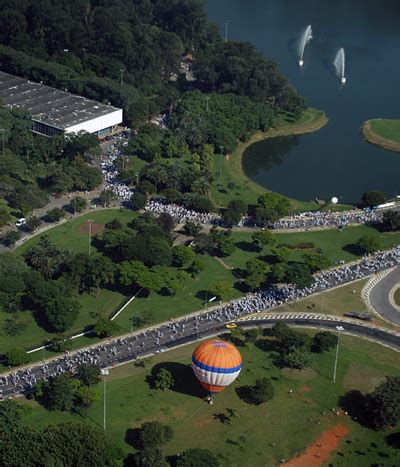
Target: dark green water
{"points": [[335, 161]]}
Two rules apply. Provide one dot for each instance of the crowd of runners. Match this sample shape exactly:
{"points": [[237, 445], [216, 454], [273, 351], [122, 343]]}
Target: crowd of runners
{"points": [[182, 214], [305, 220], [167, 335]]}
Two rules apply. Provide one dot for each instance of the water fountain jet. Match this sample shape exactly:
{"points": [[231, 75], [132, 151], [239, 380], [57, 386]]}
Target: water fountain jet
{"points": [[339, 64], [305, 39]]}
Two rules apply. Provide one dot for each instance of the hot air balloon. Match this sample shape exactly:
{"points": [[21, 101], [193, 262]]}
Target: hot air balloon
{"points": [[216, 364]]}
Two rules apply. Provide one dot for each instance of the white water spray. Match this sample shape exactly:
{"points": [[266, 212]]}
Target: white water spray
{"points": [[305, 39]]}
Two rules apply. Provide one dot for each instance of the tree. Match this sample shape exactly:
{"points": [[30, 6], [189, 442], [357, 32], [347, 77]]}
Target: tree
{"points": [[77, 443], [262, 238], [256, 273], [100, 271], [154, 434], [11, 237], [138, 201], [61, 312], [86, 396], [104, 328], [391, 221], [192, 228], [324, 341], [10, 416], [163, 379], [16, 357], [261, 392], [272, 206], [54, 215], [383, 404], [182, 256], [78, 204], [298, 358], [373, 198], [106, 196], [33, 223], [58, 393], [195, 268], [226, 247], [369, 244], [87, 374], [222, 289], [316, 261], [197, 457], [299, 274], [114, 224], [282, 253]]}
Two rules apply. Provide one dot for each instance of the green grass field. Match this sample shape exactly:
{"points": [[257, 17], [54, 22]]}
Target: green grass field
{"points": [[386, 128], [332, 242], [259, 436], [68, 235]]}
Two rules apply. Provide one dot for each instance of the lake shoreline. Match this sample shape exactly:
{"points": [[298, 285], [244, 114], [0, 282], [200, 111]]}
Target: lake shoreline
{"points": [[317, 121], [371, 137]]}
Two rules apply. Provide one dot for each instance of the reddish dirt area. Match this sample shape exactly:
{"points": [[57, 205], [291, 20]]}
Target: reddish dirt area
{"points": [[320, 450], [96, 228], [305, 389]]}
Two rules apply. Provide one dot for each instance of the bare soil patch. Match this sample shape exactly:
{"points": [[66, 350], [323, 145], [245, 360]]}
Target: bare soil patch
{"points": [[319, 452], [96, 228]]}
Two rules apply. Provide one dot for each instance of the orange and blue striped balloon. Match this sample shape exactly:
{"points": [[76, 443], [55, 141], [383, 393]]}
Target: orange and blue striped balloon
{"points": [[216, 364]]}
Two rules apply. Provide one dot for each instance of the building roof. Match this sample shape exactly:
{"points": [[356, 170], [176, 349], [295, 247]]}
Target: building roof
{"points": [[50, 106]]}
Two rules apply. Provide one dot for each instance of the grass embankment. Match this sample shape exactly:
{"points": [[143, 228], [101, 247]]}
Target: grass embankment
{"points": [[383, 132], [260, 435], [228, 169], [396, 297], [192, 296]]}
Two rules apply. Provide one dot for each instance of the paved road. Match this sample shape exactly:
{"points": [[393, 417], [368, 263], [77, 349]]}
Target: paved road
{"points": [[176, 333], [382, 336], [379, 297]]}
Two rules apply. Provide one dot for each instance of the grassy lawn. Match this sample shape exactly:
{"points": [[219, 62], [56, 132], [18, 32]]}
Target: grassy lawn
{"points": [[69, 236], [190, 298], [397, 297], [331, 241], [228, 169], [261, 435], [386, 128], [34, 335]]}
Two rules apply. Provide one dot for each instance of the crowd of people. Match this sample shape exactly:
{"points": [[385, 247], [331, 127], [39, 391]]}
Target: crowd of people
{"points": [[312, 219], [166, 335], [180, 213], [110, 172]]}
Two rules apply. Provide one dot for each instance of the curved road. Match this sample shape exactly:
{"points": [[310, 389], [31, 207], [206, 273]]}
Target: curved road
{"points": [[177, 333], [379, 297]]}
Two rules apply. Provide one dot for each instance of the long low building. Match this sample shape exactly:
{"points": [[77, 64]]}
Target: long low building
{"points": [[54, 111]]}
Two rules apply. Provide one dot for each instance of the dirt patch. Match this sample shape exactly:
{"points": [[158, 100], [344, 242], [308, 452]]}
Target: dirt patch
{"points": [[96, 228], [302, 375], [305, 389], [319, 451], [361, 377]]}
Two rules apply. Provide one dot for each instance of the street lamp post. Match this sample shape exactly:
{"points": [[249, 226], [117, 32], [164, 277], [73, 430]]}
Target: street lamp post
{"points": [[104, 372], [339, 329], [90, 221], [226, 32]]}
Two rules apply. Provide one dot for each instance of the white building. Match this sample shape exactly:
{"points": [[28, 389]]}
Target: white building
{"points": [[54, 111]]}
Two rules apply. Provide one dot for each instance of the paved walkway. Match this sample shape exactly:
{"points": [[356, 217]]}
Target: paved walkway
{"points": [[379, 296]]}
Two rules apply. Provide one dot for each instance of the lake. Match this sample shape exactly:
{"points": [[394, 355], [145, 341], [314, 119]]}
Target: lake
{"points": [[334, 161]]}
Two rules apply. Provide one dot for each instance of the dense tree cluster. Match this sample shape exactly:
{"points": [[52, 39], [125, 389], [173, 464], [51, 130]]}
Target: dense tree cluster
{"points": [[34, 167], [237, 67], [219, 119]]}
